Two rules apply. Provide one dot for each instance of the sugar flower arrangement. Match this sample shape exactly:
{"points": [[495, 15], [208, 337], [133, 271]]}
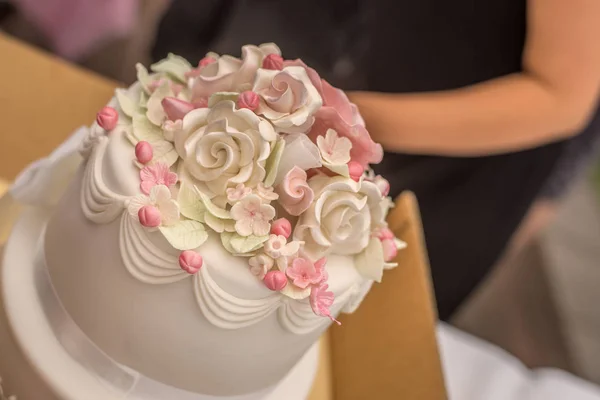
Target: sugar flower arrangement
{"points": [[264, 153]]}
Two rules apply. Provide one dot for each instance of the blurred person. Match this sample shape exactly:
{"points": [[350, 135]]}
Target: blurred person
{"points": [[477, 104]]}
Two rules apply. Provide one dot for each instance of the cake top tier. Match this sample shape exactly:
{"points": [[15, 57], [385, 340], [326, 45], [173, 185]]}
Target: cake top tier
{"points": [[264, 153]]}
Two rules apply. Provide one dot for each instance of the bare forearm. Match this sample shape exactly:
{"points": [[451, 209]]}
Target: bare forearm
{"points": [[552, 99], [513, 112]]}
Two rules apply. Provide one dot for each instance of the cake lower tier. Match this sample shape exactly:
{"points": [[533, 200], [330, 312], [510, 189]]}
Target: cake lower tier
{"points": [[44, 356]]}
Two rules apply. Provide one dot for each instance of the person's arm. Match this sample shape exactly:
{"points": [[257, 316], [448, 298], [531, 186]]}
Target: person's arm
{"points": [[553, 97]]}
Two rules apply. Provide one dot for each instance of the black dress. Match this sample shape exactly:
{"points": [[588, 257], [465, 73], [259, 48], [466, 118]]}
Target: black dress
{"points": [[470, 206]]}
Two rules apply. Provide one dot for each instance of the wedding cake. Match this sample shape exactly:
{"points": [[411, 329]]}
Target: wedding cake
{"points": [[195, 241]]}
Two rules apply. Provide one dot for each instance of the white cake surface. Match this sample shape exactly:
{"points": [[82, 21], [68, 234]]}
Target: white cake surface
{"points": [[35, 365]]}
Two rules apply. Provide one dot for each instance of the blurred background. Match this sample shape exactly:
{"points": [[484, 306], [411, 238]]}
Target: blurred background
{"points": [[541, 300]]}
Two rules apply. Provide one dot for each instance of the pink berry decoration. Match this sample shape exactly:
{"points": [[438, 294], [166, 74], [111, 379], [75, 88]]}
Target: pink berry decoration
{"points": [[149, 216], [275, 280], [390, 250], [356, 170], [144, 152], [176, 108], [107, 118], [273, 61], [190, 261], [281, 227], [249, 100]]}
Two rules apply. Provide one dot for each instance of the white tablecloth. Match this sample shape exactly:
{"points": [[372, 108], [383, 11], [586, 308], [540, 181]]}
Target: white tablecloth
{"points": [[477, 370]]}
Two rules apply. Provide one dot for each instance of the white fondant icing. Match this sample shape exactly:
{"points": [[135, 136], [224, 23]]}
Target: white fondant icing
{"points": [[99, 203]]}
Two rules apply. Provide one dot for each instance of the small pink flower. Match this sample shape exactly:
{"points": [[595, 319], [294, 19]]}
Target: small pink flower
{"points": [[303, 273], [321, 300], [275, 280], [266, 193], [273, 61], [252, 216], [260, 265], [157, 174], [295, 196], [236, 194], [176, 108], [190, 261], [249, 100], [143, 152], [281, 227], [107, 118], [320, 267], [275, 246]]}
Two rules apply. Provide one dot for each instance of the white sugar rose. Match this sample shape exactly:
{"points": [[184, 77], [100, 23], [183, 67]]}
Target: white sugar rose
{"points": [[222, 147], [230, 74], [287, 98], [341, 217]]}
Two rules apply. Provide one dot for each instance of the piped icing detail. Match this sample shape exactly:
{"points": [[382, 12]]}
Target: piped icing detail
{"points": [[99, 203]]}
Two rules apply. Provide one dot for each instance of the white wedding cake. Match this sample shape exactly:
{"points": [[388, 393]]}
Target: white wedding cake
{"points": [[195, 241]]}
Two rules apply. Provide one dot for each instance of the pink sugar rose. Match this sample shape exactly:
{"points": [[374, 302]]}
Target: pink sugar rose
{"points": [[303, 273], [340, 114], [295, 196], [156, 174]]}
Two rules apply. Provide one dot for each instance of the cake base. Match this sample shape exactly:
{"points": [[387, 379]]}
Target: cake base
{"points": [[34, 363]]}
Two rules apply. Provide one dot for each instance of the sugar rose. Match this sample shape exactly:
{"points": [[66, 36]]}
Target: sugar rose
{"points": [[341, 115], [222, 147], [287, 98], [341, 217], [230, 74]]}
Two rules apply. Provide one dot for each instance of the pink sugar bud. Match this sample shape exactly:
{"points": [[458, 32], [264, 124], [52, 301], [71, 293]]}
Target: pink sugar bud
{"points": [[382, 184], [190, 261], [176, 108], [390, 250], [273, 61], [384, 234], [107, 118], [149, 216], [356, 170], [281, 227], [275, 280], [248, 99], [144, 152], [206, 61]]}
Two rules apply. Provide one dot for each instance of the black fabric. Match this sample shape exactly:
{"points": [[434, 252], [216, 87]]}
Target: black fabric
{"points": [[470, 206]]}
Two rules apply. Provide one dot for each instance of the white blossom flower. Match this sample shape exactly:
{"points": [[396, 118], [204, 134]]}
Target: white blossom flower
{"points": [[266, 193], [334, 149], [260, 265], [161, 198], [252, 216], [236, 194]]}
